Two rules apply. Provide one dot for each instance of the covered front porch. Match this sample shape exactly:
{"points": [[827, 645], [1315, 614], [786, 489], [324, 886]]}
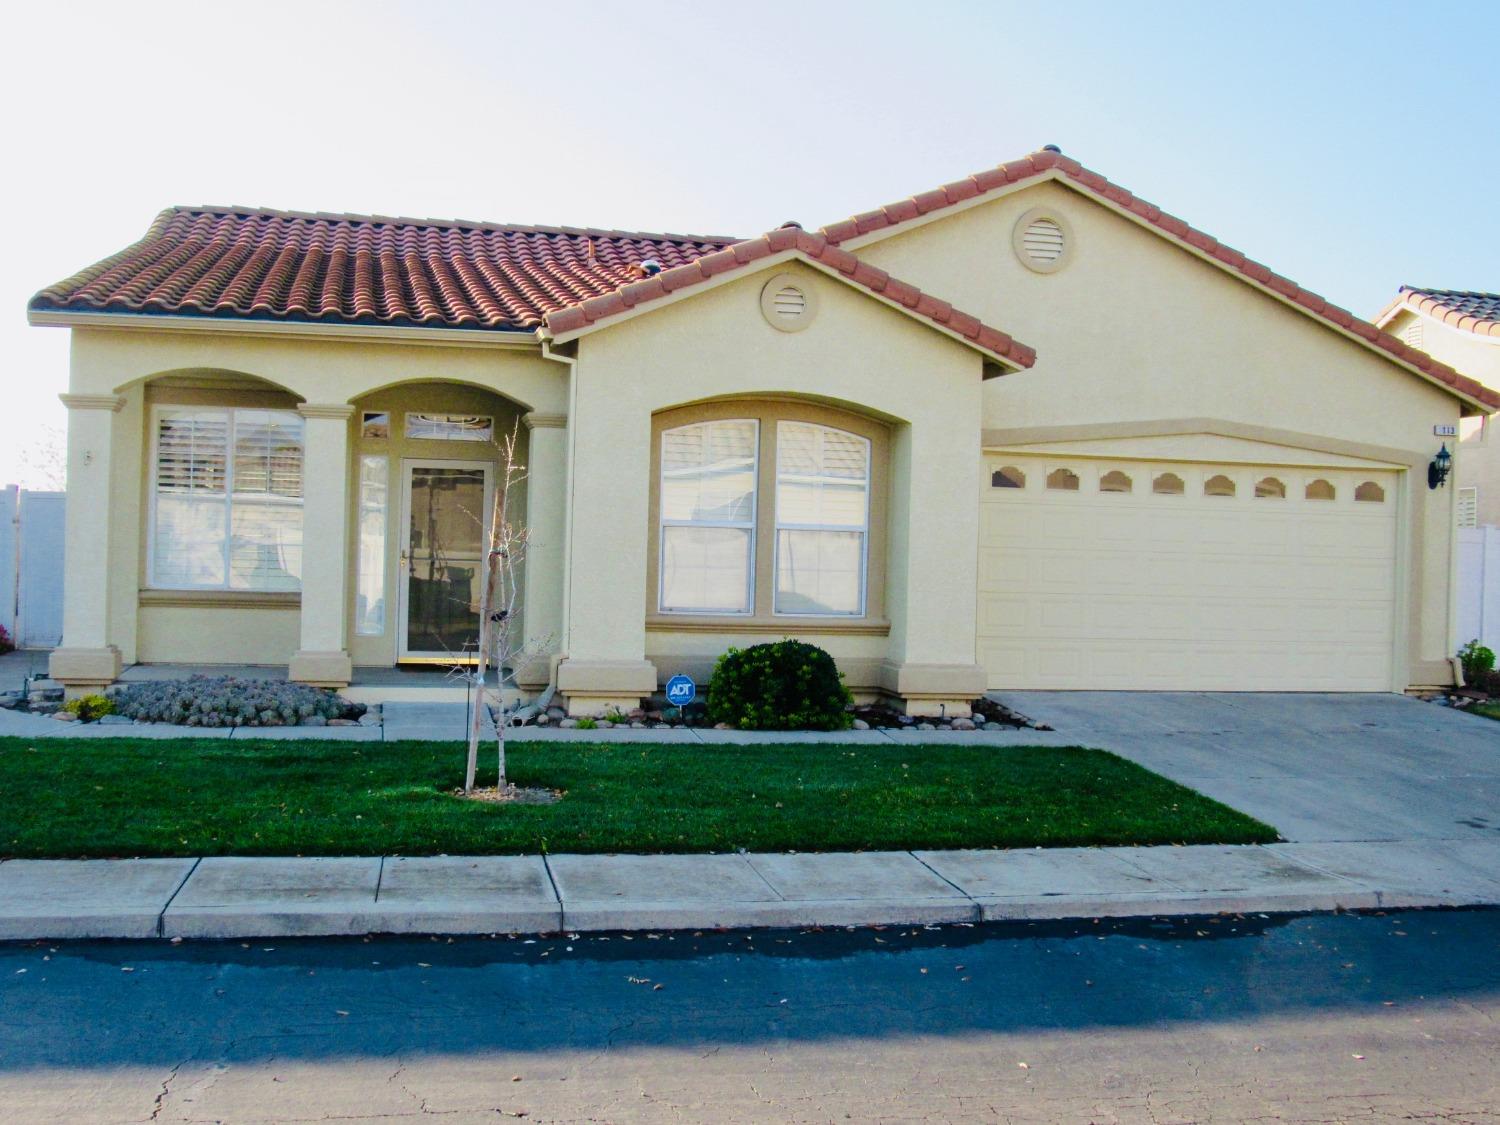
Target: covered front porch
{"points": [[302, 518]]}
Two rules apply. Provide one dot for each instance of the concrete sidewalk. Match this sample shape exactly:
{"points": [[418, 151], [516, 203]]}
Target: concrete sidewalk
{"points": [[236, 897]]}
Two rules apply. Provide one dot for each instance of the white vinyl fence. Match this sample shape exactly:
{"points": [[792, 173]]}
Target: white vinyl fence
{"points": [[1479, 585], [31, 566]]}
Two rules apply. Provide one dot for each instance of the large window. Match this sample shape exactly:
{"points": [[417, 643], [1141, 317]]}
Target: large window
{"points": [[227, 503], [822, 519], [708, 485], [810, 543]]}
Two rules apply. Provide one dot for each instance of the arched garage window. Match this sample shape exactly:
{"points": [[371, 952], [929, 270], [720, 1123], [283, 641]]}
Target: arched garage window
{"points": [[1319, 490], [1115, 481], [1269, 488], [1218, 485], [1008, 477], [1062, 480], [1370, 493], [1167, 484]]}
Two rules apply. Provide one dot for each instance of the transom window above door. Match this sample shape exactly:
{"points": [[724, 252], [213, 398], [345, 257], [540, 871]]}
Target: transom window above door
{"points": [[764, 515]]}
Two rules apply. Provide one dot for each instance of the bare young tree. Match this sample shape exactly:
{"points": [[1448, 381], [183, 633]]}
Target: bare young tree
{"points": [[499, 600]]}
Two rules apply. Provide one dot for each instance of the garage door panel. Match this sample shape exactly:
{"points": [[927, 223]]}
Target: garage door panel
{"points": [[1143, 590]]}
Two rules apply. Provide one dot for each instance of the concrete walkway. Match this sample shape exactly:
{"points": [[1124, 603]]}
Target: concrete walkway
{"points": [[232, 897]]}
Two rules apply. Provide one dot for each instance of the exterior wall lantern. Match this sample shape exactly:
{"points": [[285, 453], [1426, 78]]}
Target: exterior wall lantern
{"points": [[1437, 471]]}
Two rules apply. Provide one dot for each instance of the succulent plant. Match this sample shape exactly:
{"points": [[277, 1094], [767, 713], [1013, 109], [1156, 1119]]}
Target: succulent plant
{"points": [[220, 701]]}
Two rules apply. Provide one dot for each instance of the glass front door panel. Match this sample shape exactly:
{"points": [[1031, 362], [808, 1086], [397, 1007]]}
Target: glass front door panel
{"points": [[443, 560]]}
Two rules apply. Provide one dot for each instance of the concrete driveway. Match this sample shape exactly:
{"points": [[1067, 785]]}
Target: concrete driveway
{"points": [[1317, 767]]}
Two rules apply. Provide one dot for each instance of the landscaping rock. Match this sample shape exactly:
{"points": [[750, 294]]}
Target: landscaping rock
{"points": [[994, 726], [603, 724], [65, 717], [722, 726], [544, 719], [343, 722], [45, 708], [567, 724], [11, 700], [963, 724], [635, 714], [860, 724], [314, 721], [556, 714], [638, 726], [926, 726], [46, 695], [369, 719]]}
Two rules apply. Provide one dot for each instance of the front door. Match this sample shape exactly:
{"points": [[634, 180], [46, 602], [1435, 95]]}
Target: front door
{"points": [[445, 508]]}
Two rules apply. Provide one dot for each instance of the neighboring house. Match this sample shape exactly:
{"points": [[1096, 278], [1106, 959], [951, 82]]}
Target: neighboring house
{"points": [[1191, 474], [1462, 330]]}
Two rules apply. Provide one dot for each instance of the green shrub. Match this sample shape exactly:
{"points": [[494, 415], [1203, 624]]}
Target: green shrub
{"points": [[787, 685], [1477, 661], [587, 723], [89, 708]]}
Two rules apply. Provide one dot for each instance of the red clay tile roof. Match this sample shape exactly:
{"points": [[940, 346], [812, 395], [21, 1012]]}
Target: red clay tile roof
{"points": [[284, 265], [814, 247], [1048, 163], [1478, 313]]}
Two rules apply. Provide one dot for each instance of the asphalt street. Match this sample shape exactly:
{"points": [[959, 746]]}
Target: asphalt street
{"points": [[1373, 1017]]}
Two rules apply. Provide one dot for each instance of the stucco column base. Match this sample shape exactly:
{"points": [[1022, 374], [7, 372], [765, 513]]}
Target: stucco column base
{"points": [[533, 672], [321, 669], [84, 670], [594, 687], [933, 690]]}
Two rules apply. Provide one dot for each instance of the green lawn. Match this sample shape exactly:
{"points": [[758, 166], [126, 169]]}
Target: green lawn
{"points": [[1489, 710], [123, 797]]}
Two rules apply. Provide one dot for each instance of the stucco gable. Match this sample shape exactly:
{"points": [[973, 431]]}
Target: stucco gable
{"points": [[768, 252], [1051, 166]]}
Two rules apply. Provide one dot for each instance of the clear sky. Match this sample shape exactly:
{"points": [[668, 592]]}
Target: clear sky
{"points": [[1350, 146]]}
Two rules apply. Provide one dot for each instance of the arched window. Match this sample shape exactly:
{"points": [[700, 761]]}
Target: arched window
{"points": [[1063, 480], [1269, 488], [1115, 481], [1218, 485], [1008, 477], [1319, 489], [822, 519], [1370, 492], [708, 484], [1168, 484]]}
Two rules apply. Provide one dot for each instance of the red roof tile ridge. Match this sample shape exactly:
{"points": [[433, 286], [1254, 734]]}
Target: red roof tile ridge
{"points": [[249, 211], [814, 246], [1045, 161]]}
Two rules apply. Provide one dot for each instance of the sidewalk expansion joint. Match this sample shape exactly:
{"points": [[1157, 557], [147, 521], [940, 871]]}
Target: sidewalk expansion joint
{"points": [[161, 915], [379, 878]]}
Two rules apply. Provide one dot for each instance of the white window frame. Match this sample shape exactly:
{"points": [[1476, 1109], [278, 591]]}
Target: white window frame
{"points": [[228, 498], [864, 529], [662, 523]]}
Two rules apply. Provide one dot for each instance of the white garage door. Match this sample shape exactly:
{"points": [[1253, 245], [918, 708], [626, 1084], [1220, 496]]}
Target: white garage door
{"points": [[1134, 575]]}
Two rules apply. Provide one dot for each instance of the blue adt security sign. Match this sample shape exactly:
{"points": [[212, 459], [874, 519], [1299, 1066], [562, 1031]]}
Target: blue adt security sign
{"points": [[681, 690]]}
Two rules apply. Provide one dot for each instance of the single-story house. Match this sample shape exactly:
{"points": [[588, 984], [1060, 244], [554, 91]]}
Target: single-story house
{"points": [[1462, 329], [1021, 430]]}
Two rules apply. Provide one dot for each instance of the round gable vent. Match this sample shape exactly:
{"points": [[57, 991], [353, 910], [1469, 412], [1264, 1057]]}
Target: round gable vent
{"points": [[1042, 241], [788, 303]]}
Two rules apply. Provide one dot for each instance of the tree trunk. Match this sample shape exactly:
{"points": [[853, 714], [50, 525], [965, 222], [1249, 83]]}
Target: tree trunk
{"points": [[481, 669]]}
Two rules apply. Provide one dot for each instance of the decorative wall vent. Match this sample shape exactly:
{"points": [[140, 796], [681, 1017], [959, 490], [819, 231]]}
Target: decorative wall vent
{"points": [[1411, 335], [788, 303], [1042, 240]]}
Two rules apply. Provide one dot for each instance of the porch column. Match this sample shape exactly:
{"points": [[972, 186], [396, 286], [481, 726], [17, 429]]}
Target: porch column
{"points": [[546, 521], [87, 661], [323, 657]]}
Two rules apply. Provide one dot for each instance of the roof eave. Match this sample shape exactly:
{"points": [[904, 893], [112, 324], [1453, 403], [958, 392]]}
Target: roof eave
{"points": [[516, 338]]}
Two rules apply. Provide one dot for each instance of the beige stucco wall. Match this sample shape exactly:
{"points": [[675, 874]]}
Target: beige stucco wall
{"points": [[1477, 456], [858, 354], [260, 369], [1136, 329]]}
